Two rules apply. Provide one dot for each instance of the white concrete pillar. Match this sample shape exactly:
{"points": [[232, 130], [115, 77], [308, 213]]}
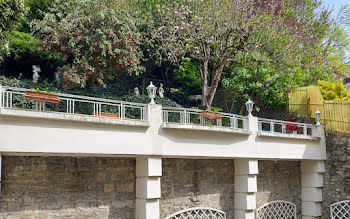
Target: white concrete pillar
{"points": [[311, 188], [253, 124], [245, 188], [148, 187]]}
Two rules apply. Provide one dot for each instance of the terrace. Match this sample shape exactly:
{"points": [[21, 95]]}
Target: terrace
{"points": [[38, 104], [31, 103]]}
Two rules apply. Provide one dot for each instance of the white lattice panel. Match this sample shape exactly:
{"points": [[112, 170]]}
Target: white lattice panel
{"points": [[198, 213], [277, 210], [340, 210]]}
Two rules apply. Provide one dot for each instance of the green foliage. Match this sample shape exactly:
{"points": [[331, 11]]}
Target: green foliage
{"points": [[165, 102], [14, 82], [333, 91], [284, 37], [214, 109], [11, 11], [263, 84], [94, 41], [36, 10], [23, 43], [183, 100], [189, 77]]}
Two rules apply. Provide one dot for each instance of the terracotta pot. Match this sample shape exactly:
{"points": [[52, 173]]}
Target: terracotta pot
{"points": [[211, 115]]}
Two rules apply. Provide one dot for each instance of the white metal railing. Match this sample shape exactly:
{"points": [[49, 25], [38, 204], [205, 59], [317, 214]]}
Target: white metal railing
{"points": [[286, 127], [277, 209], [340, 210], [198, 213], [194, 117], [13, 98]]}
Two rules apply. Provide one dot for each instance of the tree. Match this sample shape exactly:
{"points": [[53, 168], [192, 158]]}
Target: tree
{"points": [[207, 31], [11, 11], [311, 49], [94, 41], [285, 35]]}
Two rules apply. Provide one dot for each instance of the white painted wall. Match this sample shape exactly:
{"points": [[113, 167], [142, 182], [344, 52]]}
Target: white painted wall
{"points": [[40, 136]]}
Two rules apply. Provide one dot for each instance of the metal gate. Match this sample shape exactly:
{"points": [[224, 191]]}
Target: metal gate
{"points": [[198, 213], [340, 210], [276, 210]]}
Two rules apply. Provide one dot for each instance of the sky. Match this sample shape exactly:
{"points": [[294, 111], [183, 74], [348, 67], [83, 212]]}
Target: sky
{"points": [[336, 4]]}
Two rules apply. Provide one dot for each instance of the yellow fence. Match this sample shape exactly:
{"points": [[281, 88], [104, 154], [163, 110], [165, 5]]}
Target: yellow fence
{"points": [[335, 113]]}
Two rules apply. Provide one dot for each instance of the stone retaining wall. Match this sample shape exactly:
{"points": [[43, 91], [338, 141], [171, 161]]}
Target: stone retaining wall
{"points": [[64, 187], [279, 181], [189, 183], [337, 176]]}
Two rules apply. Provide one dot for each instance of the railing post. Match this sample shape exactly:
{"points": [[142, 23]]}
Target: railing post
{"points": [[305, 130], [122, 109], [11, 100], [144, 114], [1, 96], [219, 122], [188, 118], [272, 128], [232, 121], [7, 99], [283, 128], [71, 106], [183, 117], [259, 125], [165, 116]]}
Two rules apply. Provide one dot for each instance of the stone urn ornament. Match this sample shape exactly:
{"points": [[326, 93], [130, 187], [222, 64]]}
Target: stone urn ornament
{"points": [[136, 91], [161, 91], [36, 76], [57, 79]]}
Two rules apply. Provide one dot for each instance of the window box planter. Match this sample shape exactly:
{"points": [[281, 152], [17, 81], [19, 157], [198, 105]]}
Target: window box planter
{"points": [[211, 115], [41, 96], [113, 115]]}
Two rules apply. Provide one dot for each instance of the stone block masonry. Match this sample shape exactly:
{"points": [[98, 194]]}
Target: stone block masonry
{"points": [[279, 180], [66, 187], [337, 175], [190, 183]]}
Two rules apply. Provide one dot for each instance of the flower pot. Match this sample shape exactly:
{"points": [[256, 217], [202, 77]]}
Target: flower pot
{"points": [[42, 96]]}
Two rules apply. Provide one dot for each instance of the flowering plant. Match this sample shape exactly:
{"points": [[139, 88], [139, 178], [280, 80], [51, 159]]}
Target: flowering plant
{"points": [[95, 42]]}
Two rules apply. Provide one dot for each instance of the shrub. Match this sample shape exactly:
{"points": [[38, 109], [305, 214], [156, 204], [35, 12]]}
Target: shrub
{"points": [[11, 11], [333, 91], [21, 43], [189, 77], [96, 42], [165, 102]]}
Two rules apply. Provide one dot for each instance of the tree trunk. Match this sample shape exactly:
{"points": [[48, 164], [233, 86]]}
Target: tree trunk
{"points": [[205, 88], [215, 81]]}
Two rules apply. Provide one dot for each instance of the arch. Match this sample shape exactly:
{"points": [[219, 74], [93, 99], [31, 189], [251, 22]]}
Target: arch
{"points": [[198, 213], [340, 210], [277, 209]]}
